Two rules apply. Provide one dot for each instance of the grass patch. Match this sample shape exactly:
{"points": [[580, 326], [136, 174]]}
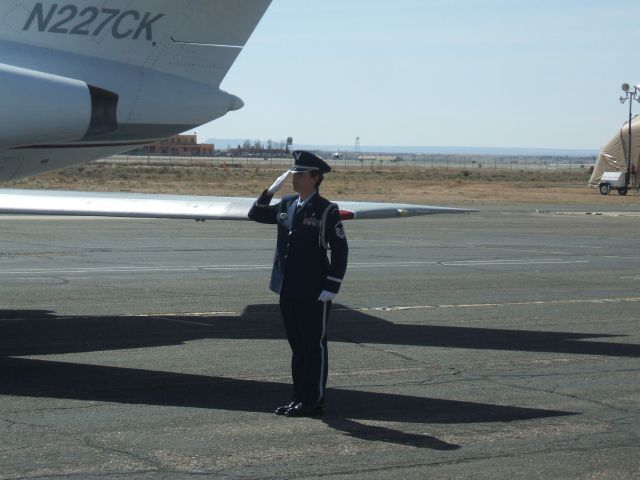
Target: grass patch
{"points": [[397, 183]]}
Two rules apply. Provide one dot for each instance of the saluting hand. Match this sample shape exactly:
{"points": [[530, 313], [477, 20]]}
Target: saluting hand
{"points": [[277, 185]]}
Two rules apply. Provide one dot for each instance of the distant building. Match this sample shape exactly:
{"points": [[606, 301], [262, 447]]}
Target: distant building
{"points": [[177, 146]]}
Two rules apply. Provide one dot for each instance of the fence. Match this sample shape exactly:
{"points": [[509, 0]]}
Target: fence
{"points": [[454, 162]]}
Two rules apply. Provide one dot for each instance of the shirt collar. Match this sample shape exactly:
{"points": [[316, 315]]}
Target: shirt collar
{"points": [[302, 204]]}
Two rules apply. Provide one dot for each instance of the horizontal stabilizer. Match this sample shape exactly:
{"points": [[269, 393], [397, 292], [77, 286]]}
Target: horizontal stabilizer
{"points": [[138, 205]]}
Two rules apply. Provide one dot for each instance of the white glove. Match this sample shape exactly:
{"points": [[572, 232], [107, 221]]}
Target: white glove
{"points": [[277, 185], [326, 296]]}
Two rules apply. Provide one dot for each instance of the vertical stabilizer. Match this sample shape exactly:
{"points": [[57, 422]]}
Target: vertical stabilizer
{"points": [[194, 39]]}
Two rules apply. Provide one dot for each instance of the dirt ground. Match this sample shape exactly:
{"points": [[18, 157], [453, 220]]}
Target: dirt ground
{"points": [[411, 185]]}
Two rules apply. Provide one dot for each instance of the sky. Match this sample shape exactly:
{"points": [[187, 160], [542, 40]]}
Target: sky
{"points": [[461, 73]]}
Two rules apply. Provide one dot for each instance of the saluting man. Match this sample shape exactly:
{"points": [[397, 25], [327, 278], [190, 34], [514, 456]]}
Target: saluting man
{"points": [[307, 282]]}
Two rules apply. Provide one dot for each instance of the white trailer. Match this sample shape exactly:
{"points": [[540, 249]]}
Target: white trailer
{"points": [[613, 181]]}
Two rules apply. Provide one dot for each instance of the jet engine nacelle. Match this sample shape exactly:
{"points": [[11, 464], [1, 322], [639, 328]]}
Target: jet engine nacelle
{"points": [[40, 108]]}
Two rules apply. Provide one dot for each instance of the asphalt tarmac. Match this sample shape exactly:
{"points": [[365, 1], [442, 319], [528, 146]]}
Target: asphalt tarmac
{"points": [[502, 344]]}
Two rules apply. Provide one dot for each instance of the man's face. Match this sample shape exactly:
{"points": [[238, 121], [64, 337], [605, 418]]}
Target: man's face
{"points": [[304, 182]]}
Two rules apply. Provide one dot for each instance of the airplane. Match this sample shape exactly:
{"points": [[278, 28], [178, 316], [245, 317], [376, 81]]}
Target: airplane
{"points": [[337, 156], [86, 79]]}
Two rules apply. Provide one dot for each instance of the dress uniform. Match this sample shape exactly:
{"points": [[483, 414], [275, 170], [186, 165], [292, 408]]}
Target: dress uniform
{"points": [[303, 276]]}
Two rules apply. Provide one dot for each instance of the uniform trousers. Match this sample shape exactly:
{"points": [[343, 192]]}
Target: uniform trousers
{"points": [[305, 322]]}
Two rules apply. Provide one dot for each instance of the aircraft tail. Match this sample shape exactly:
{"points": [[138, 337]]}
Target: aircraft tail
{"points": [[194, 39]]}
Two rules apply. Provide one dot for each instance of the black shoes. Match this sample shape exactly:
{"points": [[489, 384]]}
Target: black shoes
{"points": [[300, 409], [304, 410], [282, 410]]}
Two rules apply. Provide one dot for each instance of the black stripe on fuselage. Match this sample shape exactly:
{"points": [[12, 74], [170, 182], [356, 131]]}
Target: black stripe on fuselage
{"points": [[129, 134], [81, 145]]}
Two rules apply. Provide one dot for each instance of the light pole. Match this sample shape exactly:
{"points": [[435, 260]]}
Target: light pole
{"points": [[629, 95]]}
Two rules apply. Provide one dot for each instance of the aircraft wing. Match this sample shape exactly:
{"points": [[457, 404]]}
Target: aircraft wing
{"points": [[141, 205]]}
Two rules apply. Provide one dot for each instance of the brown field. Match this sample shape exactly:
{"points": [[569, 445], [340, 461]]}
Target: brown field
{"points": [[405, 184]]}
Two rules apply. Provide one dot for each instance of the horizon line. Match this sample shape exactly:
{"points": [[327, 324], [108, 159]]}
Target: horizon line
{"points": [[426, 149]]}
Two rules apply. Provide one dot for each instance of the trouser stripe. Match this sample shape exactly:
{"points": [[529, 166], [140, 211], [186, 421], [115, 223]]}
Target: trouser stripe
{"points": [[322, 354]]}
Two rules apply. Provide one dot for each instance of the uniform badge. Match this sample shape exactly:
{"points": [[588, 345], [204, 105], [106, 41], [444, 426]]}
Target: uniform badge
{"points": [[340, 230], [284, 216], [311, 221]]}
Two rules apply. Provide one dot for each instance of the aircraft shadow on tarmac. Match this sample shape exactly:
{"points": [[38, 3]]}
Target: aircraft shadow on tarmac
{"points": [[25, 333], [42, 333]]}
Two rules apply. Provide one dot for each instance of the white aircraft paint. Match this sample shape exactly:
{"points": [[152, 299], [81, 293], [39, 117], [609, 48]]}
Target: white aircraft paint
{"points": [[93, 78]]}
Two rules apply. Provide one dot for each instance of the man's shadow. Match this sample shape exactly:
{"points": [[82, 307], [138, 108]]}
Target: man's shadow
{"points": [[349, 409], [28, 333]]}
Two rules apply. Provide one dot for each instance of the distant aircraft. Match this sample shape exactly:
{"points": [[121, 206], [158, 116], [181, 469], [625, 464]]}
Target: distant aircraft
{"points": [[86, 79], [337, 156]]}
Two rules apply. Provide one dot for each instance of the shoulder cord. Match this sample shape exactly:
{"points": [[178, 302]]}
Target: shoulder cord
{"points": [[322, 240]]}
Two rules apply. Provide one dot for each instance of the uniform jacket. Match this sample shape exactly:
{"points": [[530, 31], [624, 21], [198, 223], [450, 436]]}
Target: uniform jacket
{"points": [[301, 268]]}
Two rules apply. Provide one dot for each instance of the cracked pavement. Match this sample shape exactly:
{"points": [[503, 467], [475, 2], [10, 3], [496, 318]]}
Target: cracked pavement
{"points": [[504, 344]]}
